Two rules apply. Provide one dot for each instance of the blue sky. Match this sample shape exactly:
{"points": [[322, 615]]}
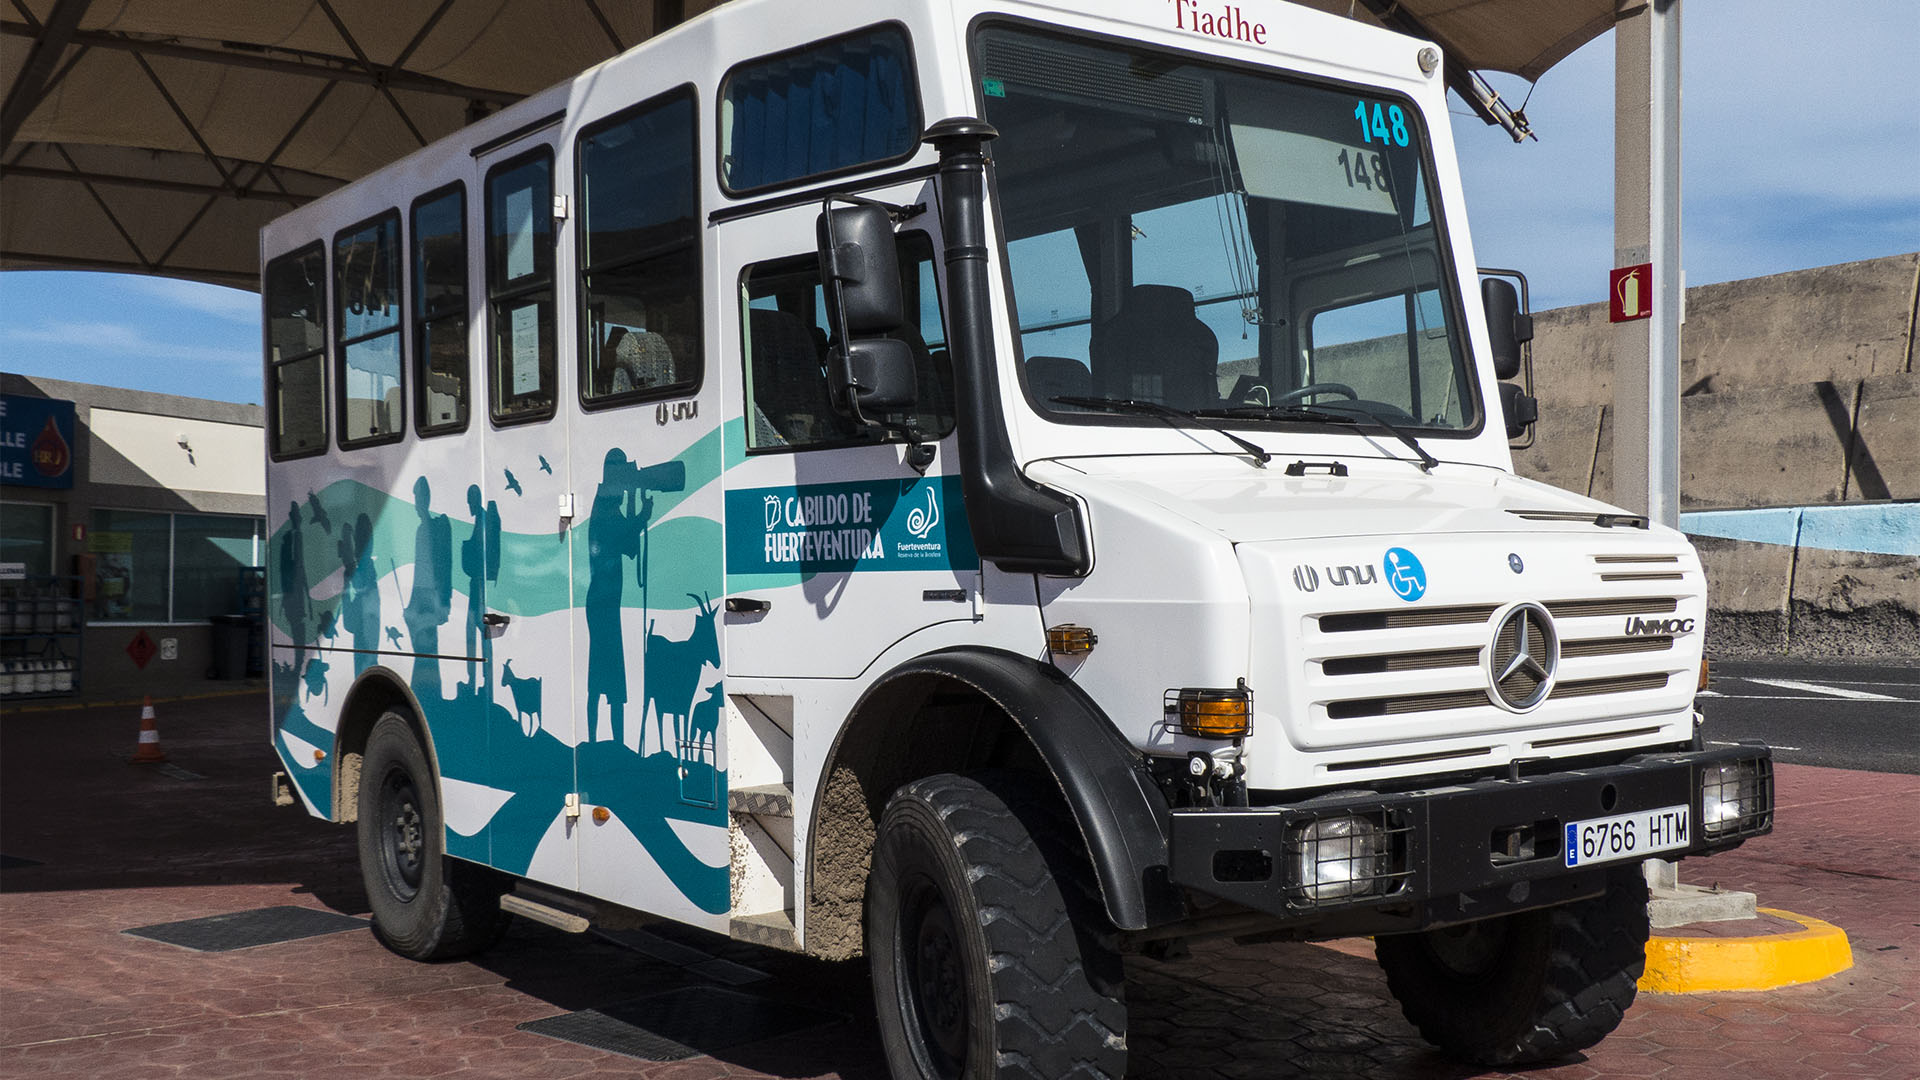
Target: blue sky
{"points": [[1802, 148]]}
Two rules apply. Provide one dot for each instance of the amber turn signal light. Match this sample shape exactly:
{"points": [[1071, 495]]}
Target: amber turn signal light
{"points": [[1070, 640], [1213, 714]]}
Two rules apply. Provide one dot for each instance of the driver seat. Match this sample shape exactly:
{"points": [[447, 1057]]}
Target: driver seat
{"points": [[1156, 349]]}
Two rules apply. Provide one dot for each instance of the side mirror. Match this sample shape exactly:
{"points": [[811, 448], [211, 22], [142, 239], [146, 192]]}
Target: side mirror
{"points": [[869, 370], [1508, 326], [879, 375], [860, 266], [1519, 408]]}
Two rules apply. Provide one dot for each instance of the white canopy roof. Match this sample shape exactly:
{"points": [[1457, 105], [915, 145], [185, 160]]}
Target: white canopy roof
{"points": [[157, 136]]}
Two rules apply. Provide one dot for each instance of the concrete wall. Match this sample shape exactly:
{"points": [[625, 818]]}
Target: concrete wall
{"points": [[1799, 389], [127, 456]]}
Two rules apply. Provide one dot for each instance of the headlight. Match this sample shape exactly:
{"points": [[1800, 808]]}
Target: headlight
{"points": [[1735, 797], [1339, 857]]}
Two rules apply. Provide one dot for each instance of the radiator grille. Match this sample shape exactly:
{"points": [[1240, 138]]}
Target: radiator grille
{"points": [[1350, 621], [1639, 605]]}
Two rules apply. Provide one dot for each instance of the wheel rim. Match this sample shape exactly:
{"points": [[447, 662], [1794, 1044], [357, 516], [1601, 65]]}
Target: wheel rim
{"points": [[403, 852], [1471, 950], [932, 980]]}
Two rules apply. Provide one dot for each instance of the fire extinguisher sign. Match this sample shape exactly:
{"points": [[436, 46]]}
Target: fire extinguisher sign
{"points": [[1630, 293]]}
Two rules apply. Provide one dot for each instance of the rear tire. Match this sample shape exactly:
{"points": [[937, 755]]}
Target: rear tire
{"points": [[426, 906], [1528, 987], [989, 947]]}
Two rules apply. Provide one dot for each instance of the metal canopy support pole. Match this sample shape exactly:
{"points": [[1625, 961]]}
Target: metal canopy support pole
{"points": [[1646, 352], [1646, 229]]}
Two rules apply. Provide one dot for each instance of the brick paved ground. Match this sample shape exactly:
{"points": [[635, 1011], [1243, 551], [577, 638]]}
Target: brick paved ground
{"points": [[122, 847]]}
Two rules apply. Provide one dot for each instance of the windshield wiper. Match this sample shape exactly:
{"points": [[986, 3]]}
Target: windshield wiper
{"points": [[1353, 414], [1154, 408]]}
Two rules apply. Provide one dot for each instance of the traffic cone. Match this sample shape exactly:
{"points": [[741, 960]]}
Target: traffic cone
{"points": [[148, 751]]}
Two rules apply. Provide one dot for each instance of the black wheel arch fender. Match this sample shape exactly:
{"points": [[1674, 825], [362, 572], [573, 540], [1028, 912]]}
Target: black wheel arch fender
{"points": [[1121, 813]]}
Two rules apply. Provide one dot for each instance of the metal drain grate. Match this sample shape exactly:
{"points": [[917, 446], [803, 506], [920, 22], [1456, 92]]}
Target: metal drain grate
{"points": [[679, 1024], [245, 929]]}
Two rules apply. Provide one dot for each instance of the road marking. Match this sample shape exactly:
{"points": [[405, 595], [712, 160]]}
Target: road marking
{"points": [[1770, 746], [1816, 688], [1797, 697]]}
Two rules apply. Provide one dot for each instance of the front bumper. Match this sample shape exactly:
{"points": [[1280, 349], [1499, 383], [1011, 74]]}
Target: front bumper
{"points": [[1455, 853]]}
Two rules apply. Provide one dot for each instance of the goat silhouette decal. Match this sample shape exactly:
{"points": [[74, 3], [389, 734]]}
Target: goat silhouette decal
{"points": [[526, 698], [673, 672]]}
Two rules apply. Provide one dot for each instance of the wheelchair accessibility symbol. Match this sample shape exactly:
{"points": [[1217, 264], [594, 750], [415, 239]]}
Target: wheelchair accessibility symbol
{"points": [[1405, 575]]}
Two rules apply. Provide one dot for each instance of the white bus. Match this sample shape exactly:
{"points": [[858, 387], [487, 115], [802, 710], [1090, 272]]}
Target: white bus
{"points": [[989, 486]]}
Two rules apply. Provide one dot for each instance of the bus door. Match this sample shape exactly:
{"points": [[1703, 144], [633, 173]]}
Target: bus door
{"points": [[837, 547], [646, 532], [526, 481]]}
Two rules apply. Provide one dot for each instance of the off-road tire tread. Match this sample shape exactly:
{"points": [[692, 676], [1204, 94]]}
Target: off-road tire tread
{"points": [[457, 911], [1057, 983], [1597, 951]]}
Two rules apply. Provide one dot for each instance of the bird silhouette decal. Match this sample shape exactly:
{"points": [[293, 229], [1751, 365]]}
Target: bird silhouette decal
{"points": [[394, 636], [513, 483], [544, 467]]}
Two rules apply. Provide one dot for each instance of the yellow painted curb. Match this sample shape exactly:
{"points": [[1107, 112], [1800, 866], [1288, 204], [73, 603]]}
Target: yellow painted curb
{"points": [[1697, 965]]}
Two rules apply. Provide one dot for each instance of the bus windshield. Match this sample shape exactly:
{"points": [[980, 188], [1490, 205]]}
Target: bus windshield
{"points": [[1217, 239]]}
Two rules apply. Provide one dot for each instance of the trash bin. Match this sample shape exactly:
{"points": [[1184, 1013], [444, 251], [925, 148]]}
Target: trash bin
{"points": [[229, 641]]}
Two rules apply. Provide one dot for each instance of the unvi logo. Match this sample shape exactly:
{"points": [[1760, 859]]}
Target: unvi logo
{"points": [[1405, 574]]}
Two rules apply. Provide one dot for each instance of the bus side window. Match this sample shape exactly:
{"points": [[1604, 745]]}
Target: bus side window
{"points": [[366, 312], [296, 300], [439, 236], [784, 327], [640, 253], [520, 315]]}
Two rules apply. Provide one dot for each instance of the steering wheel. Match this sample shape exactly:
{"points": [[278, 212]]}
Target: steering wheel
{"points": [[1311, 389]]}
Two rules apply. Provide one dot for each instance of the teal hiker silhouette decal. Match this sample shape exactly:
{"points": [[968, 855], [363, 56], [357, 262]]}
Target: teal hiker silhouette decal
{"points": [[359, 595], [429, 605], [327, 628], [293, 580], [480, 561], [513, 485], [613, 535]]}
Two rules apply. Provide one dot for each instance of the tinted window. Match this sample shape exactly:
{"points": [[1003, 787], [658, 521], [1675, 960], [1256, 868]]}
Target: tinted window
{"points": [[640, 265], [786, 334], [296, 299], [520, 287], [832, 106], [440, 310], [366, 297]]}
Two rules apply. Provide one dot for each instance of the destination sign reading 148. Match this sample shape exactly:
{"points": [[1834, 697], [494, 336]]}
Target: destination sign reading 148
{"points": [[1388, 124]]}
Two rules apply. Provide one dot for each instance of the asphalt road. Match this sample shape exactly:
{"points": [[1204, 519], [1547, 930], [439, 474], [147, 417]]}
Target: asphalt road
{"points": [[1839, 716]]}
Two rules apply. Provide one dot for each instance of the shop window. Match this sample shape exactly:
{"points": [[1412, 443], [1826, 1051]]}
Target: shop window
{"points": [[160, 568]]}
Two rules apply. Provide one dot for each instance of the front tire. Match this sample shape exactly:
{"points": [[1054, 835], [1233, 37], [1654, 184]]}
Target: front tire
{"points": [[988, 944], [1528, 987], [425, 905]]}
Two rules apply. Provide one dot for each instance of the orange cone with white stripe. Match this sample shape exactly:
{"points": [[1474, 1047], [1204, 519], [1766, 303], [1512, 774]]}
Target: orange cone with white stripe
{"points": [[148, 752]]}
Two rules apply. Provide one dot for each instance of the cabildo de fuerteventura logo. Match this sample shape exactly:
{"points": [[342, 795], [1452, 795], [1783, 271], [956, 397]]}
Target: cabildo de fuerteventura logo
{"points": [[921, 520]]}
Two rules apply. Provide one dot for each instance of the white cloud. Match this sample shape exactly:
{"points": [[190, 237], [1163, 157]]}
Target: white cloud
{"points": [[120, 344], [232, 305]]}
